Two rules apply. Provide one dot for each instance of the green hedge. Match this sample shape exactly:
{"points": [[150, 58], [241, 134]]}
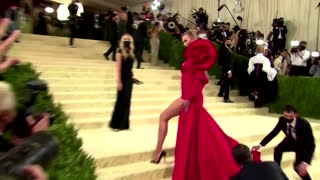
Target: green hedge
{"points": [[301, 92], [72, 163]]}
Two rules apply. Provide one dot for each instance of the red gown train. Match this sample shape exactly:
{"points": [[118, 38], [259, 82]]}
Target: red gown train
{"points": [[203, 151]]}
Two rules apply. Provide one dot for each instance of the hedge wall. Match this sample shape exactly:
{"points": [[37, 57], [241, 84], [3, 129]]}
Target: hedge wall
{"points": [[72, 162], [301, 92]]}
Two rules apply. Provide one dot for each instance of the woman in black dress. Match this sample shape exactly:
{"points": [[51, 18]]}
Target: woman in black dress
{"points": [[124, 63]]}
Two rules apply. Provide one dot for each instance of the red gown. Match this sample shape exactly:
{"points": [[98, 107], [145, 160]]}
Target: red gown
{"points": [[203, 151]]}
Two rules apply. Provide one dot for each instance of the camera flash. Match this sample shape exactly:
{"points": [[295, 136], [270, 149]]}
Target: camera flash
{"points": [[295, 43], [315, 54], [259, 42]]}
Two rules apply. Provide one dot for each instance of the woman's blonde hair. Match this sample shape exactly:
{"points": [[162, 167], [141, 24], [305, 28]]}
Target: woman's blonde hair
{"points": [[122, 48], [7, 97]]}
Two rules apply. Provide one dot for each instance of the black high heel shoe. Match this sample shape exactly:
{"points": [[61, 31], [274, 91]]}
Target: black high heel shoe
{"points": [[162, 155]]}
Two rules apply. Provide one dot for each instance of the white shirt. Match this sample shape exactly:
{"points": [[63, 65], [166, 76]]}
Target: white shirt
{"points": [[203, 35], [261, 59], [293, 131], [300, 59]]}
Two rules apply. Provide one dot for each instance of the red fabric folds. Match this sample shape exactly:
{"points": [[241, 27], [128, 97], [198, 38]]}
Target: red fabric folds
{"points": [[203, 151]]}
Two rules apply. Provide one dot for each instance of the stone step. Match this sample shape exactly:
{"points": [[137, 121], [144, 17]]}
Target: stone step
{"points": [[142, 139], [112, 87], [95, 112], [103, 120], [44, 67], [60, 96], [103, 103], [72, 60], [63, 54], [163, 171], [111, 81], [54, 40], [91, 73], [34, 48], [148, 171], [134, 162], [80, 62], [111, 74]]}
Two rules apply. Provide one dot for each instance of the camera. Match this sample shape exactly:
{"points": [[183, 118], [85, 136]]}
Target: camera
{"points": [[172, 23], [20, 127], [200, 16], [39, 149], [278, 22]]}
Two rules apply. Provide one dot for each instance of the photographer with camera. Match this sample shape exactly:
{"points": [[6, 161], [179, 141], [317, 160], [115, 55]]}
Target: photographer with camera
{"points": [[315, 68], [279, 31], [7, 62], [7, 115], [299, 59]]}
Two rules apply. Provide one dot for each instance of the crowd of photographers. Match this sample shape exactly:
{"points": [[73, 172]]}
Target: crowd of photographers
{"points": [[8, 111]]}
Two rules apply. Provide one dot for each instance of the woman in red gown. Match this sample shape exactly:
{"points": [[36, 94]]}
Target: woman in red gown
{"points": [[203, 151]]}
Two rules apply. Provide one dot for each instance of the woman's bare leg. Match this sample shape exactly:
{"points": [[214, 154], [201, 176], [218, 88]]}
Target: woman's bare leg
{"points": [[171, 111]]}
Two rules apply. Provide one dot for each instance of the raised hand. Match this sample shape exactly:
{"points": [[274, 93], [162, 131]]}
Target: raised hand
{"points": [[6, 44]]}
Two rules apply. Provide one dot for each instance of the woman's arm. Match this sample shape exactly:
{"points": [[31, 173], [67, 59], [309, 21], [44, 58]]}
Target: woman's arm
{"points": [[118, 67]]}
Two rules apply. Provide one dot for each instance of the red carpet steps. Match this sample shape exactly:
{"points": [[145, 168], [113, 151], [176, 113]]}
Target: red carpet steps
{"points": [[83, 82]]}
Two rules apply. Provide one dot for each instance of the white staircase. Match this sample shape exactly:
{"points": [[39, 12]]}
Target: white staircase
{"points": [[84, 83]]}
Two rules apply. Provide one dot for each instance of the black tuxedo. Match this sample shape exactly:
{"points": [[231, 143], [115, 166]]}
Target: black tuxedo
{"points": [[260, 171], [279, 43], [112, 37], [303, 145], [225, 61]]}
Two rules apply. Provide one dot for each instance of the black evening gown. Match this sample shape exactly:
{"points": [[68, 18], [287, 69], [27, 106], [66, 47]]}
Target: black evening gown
{"points": [[121, 112]]}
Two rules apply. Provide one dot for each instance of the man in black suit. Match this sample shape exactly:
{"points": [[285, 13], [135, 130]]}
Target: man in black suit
{"points": [[111, 30], [255, 171], [225, 62], [299, 139]]}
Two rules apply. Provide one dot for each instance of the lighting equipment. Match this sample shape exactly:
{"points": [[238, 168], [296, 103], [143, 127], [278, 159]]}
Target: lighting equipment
{"points": [[315, 54], [49, 10], [295, 43], [224, 5]]}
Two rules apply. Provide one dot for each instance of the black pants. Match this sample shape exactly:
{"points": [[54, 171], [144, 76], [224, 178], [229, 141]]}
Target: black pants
{"points": [[73, 32], [138, 52], [289, 145], [225, 86], [299, 71], [112, 49], [279, 44]]}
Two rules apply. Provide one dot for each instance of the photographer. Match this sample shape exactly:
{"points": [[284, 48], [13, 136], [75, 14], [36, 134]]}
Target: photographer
{"points": [[202, 17], [279, 32], [299, 58], [7, 115], [7, 62], [315, 68]]}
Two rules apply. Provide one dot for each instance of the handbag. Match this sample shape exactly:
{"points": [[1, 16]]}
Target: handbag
{"points": [[256, 156]]}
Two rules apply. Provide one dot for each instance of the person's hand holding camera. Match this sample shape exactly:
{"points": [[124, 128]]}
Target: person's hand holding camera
{"points": [[39, 125], [35, 171]]}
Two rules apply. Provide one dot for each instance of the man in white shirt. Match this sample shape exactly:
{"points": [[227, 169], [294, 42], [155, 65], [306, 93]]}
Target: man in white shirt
{"points": [[299, 59], [261, 59]]}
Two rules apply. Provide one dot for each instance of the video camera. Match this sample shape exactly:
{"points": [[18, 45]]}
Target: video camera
{"points": [[172, 23], [20, 126], [200, 16], [38, 149], [278, 22]]}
